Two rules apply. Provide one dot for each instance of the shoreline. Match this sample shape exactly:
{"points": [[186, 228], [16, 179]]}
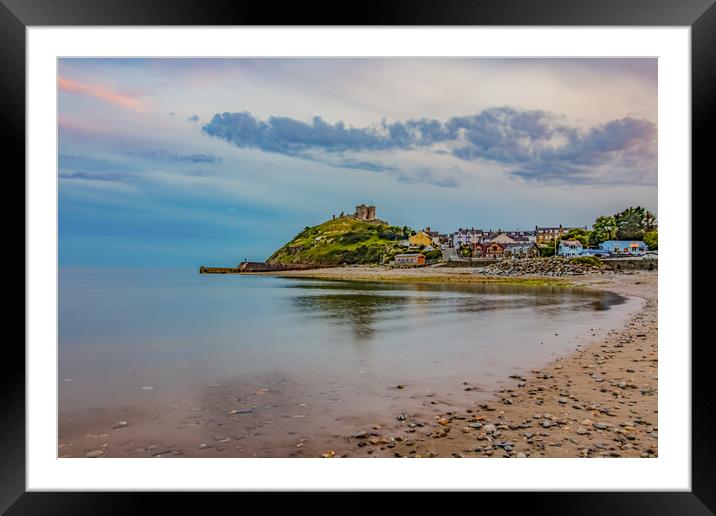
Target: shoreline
{"points": [[599, 400], [416, 275], [572, 407]]}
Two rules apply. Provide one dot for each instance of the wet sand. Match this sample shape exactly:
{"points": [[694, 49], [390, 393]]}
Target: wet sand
{"points": [[600, 401]]}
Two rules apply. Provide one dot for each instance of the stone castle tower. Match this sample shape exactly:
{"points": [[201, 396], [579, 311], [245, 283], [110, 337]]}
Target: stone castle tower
{"points": [[364, 212]]}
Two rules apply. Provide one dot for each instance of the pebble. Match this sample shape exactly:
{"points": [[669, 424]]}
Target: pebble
{"points": [[120, 424], [94, 453], [360, 435], [563, 401], [442, 421], [240, 411], [601, 426], [329, 454]]}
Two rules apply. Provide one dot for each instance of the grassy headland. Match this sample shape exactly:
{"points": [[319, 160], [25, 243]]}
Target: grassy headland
{"points": [[340, 241]]}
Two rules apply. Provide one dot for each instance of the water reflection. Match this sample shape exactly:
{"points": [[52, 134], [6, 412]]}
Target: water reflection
{"points": [[363, 306], [358, 311]]}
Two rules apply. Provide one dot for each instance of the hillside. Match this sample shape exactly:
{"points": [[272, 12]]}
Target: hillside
{"points": [[343, 240]]}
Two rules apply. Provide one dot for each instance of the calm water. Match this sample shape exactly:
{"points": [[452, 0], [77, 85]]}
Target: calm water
{"points": [[334, 351]]}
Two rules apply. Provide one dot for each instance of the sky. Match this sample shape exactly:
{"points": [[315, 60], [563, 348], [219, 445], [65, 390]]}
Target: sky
{"points": [[188, 162]]}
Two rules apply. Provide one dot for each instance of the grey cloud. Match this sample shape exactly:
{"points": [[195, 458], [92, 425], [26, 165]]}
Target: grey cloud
{"points": [[371, 166], [421, 176], [192, 173], [425, 176], [112, 176], [193, 118], [291, 137], [535, 144], [190, 158], [196, 158]]}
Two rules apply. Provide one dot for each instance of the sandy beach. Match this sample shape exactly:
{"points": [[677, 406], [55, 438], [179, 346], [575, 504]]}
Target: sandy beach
{"points": [[598, 401]]}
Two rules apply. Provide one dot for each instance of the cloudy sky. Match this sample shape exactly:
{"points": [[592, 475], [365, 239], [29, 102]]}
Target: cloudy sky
{"points": [[182, 162]]}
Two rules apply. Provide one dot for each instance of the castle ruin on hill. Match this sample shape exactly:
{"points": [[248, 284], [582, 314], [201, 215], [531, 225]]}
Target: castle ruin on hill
{"points": [[364, 212]]}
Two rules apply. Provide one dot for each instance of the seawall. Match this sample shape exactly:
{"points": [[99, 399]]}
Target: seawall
{"points": [[632, 264], [253, 267]]}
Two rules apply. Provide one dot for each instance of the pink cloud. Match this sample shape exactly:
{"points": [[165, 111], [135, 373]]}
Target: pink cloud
{"points": [[100, 92]]}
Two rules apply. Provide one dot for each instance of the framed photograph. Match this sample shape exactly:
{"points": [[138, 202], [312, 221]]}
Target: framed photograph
{"points": [[287, 252]]}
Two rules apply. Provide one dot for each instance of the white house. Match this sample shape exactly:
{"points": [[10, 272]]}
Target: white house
{"points": [[466, 237], [570, 248]]}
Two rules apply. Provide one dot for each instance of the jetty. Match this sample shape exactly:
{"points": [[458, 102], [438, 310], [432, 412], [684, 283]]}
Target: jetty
{"points": [[253, 267]]}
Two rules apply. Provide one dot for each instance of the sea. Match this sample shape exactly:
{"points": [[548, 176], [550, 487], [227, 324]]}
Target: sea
{"points": [[280, 358]]}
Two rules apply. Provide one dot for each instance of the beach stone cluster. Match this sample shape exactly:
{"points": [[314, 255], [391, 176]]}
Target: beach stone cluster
{"points": [[552, 266]]}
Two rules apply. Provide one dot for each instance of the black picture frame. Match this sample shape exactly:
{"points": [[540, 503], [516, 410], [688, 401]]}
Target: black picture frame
{"points": [[17, 15]]}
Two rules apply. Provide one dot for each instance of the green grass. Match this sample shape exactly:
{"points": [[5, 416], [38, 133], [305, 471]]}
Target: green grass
{"points": [[587, 260], [344, 240]]}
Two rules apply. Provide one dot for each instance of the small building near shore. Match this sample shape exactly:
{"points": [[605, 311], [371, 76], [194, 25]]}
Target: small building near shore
{"points": [[466, 237], [420, 239], [493, 250], [434, 235], [410, 259], [624, 247], [521, 250], [544, 236], [503, 238], [570, 248]]}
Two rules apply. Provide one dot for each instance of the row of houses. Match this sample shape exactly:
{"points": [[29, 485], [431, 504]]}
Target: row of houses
{"points": [[480, 241], [482, 244], [512, 244], [540, 235]]}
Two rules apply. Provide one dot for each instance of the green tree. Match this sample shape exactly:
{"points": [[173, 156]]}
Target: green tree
{"points": [[605, 228], [651, 239], [583, 235], [465, 251], [649, 222], [630, 223], [547, 250]]}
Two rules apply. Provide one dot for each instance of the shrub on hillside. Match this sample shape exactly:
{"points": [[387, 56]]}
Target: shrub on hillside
{"points": [[587, 260]]}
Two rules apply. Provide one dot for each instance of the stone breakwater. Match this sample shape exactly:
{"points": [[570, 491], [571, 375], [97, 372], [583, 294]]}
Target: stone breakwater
{"points": [[559, 266], [553, 266], [253, 267]]}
